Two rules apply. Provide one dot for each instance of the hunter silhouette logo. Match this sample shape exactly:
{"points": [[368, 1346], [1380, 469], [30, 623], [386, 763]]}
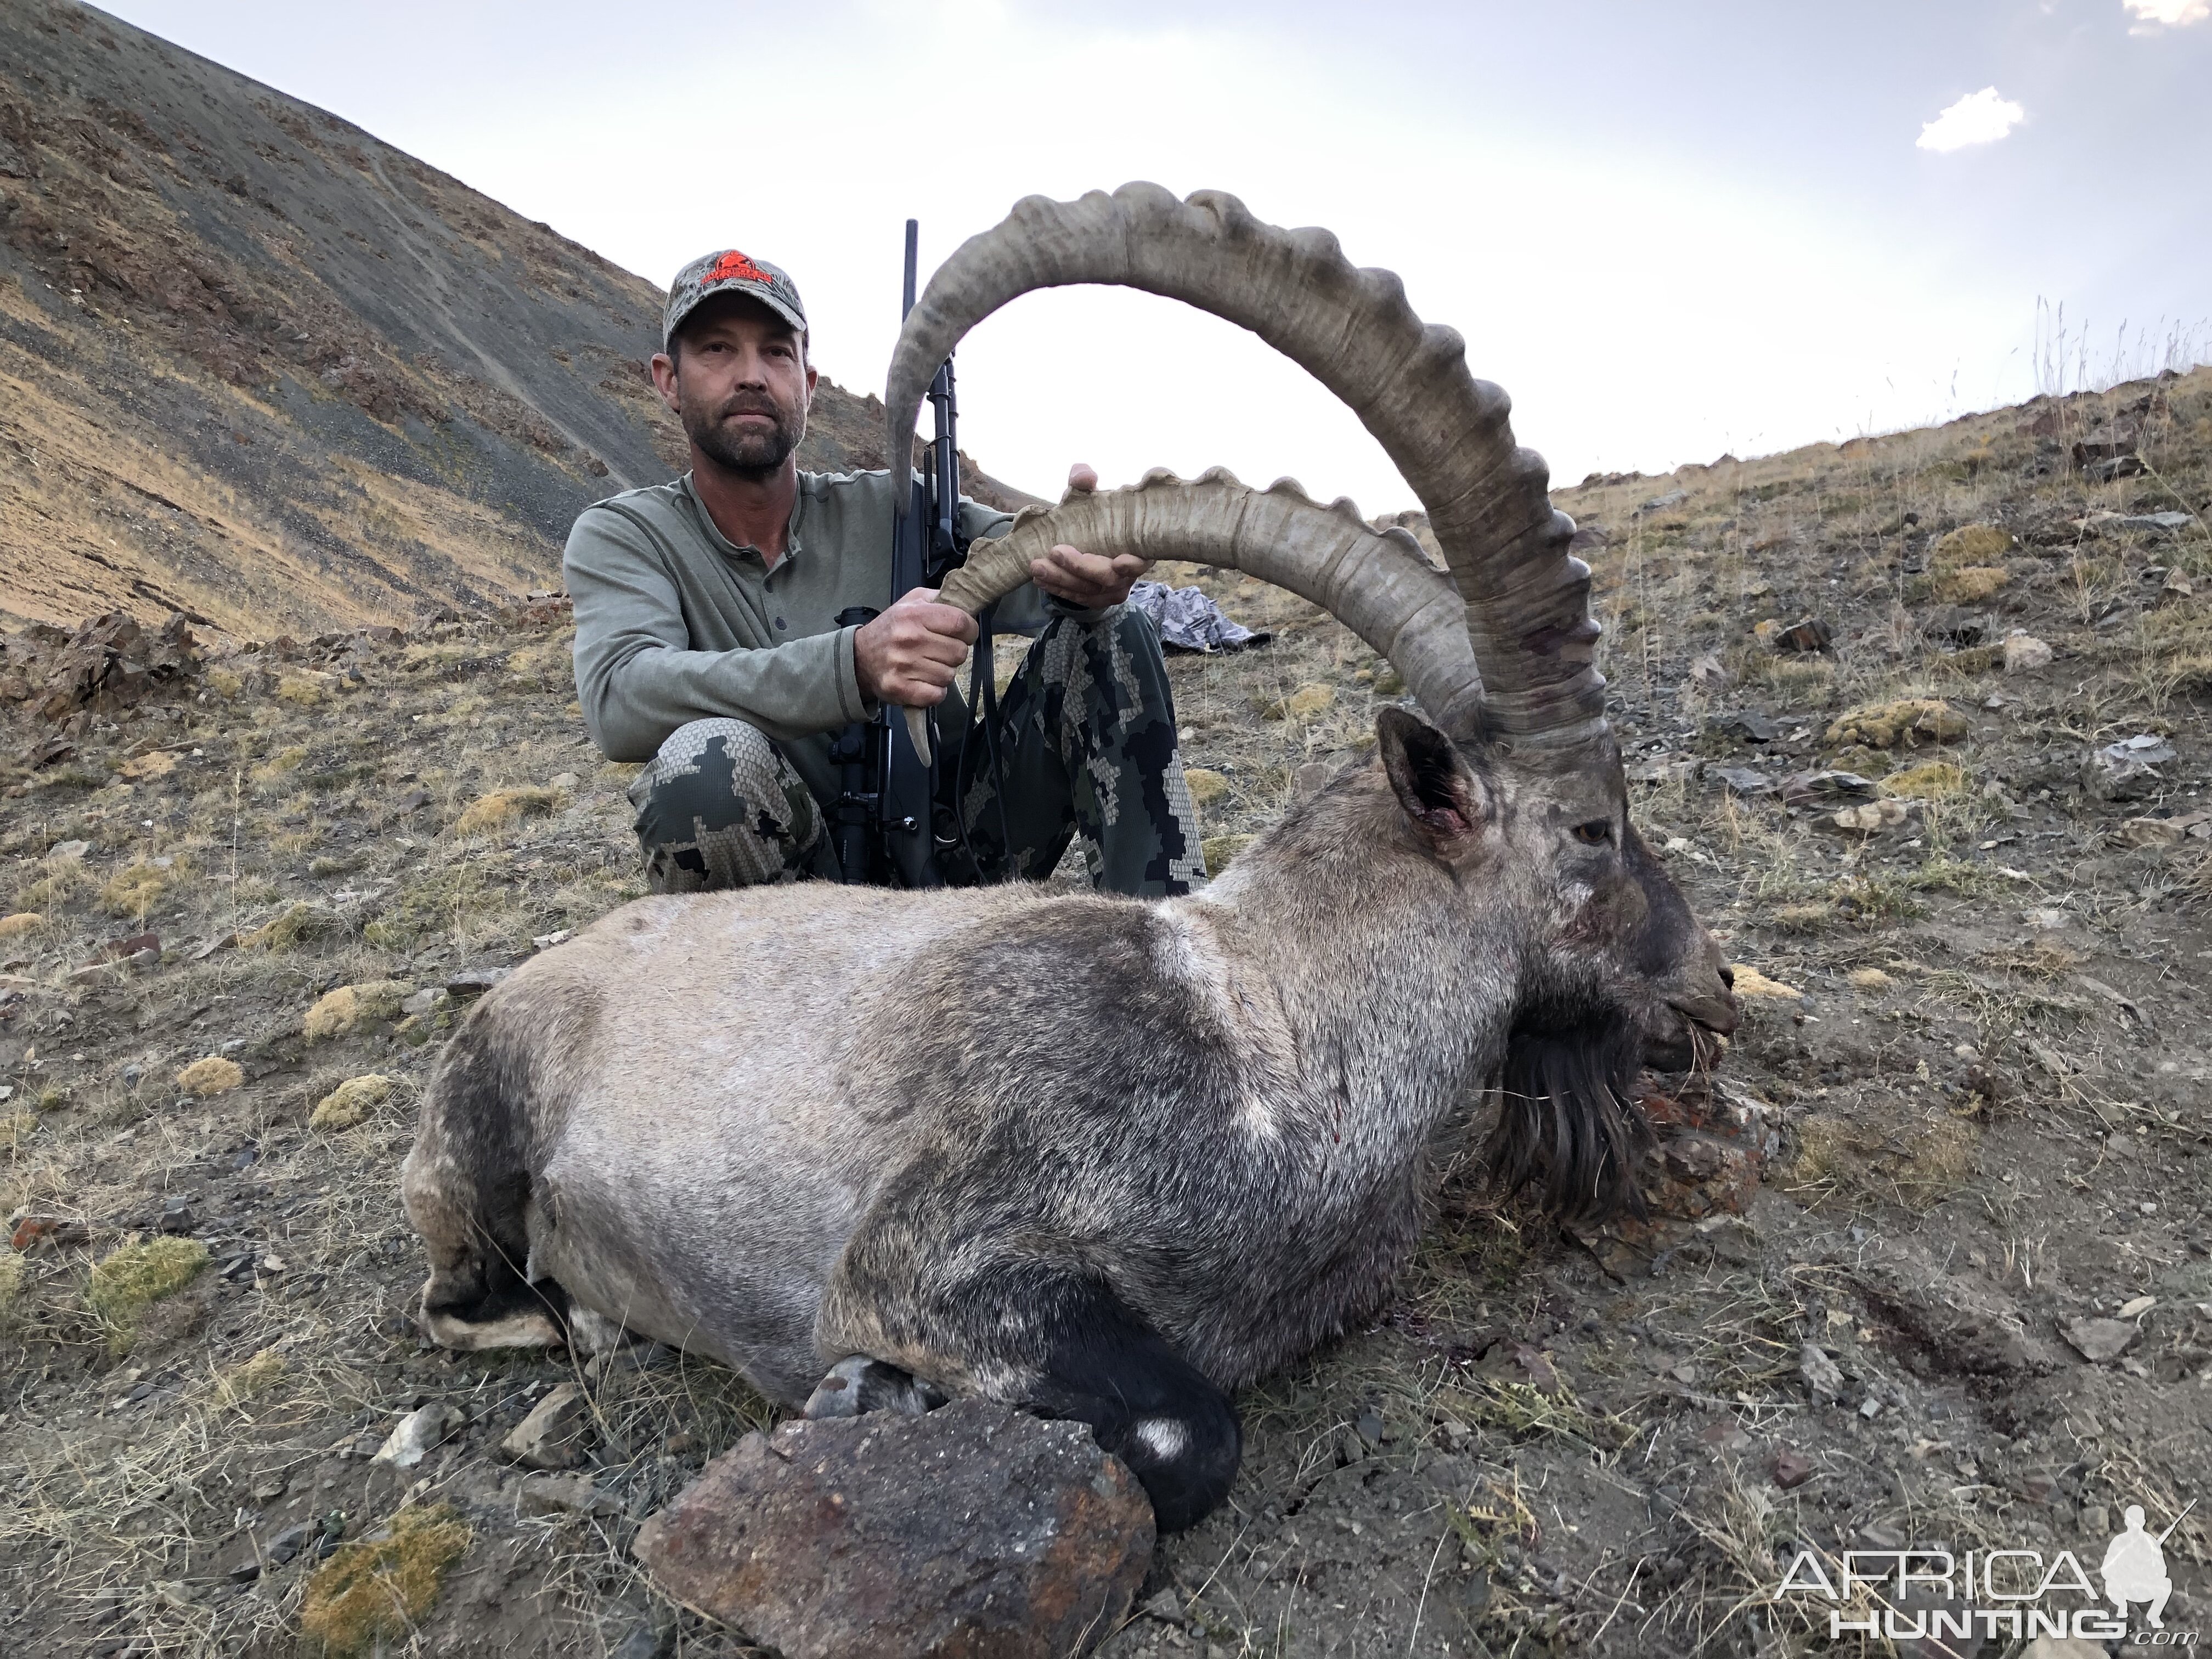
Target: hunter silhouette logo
{"points": [[2134, 1566], [734, 267], [1905, 1594]]}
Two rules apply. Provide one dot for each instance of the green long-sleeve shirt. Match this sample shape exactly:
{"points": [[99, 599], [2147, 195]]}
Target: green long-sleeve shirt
{"points": [[674, 622]]}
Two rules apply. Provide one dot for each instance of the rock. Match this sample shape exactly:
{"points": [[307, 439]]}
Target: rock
{"points": [[70, 852], [565, 780], [350, 1008], [1750, 982], [1660, 503], [1800, 788], [2099, 1340], [1809, 635], [975, 1529], [2128, 769], [426, 1002], [210, 1077], [1870, 817], [1790, 1469], [1708, 669], [1166, 1607], [210, 947], [1749, 724], [1745, 780], [2047, 919], [2164, 833], [547, 941], [570, 1494], [1206, 786], [418, 1434], [552, 1436], [2062, 1647], [1907, 720], [350, 1102], [2024, 653], [474, 982], [1823, 1379]]}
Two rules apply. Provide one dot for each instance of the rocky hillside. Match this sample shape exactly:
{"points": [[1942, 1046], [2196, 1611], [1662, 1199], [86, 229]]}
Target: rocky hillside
{"points": [[257, 367]]}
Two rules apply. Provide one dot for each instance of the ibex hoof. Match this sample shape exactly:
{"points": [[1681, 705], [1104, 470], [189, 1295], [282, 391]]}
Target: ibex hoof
{"points": [[857, 1383]]}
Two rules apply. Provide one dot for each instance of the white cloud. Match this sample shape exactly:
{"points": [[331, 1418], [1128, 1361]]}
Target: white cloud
{"points": [[2151, 15], [1983, 118]]}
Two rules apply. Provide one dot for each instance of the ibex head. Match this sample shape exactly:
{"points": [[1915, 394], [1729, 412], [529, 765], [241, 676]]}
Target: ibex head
{"points": [[1497, 648]]}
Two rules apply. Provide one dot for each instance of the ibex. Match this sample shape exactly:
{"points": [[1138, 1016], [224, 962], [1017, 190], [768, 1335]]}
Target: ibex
{"points": [[1102, 1158]]}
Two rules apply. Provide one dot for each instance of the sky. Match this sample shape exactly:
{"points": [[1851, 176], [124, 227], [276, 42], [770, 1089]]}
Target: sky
{"points": [[1667, 231]]}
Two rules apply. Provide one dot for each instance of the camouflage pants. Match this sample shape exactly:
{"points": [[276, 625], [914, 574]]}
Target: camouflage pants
{"points": [[1087, 742]]}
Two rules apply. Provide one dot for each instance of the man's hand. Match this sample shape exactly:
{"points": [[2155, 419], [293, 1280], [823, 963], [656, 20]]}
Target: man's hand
{"points": [[913, 652], [1082, 580]]}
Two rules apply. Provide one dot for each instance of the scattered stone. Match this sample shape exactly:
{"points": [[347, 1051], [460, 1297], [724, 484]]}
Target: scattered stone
{"points": [[1708, 669], [547, 941], [1745, 780], [2099, 1340], [1749, 724], [1824, 1378], [413, 801], [1870, 817], [210, 947], [552, 1436], [1206, 786], [837, 1538], [2024, 653], [425, 1003], [210, 1077], [1660, 503], [1909, 721], [351, 1007], [1790, 1469], [1809, 635], [2163, 833], [1750, 982], [1166, 1607], [474, 982], [29, 1231], [1801, 789], [2151, 523], [110, 663], [350, 1102], [2046, 918], [377, 1590], [69, 852], [565, 780], [419, 1433], [570, 1494], [2128, 769]]}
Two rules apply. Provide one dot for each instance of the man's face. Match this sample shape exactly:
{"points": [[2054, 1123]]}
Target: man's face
{"points": [[740, 385]]}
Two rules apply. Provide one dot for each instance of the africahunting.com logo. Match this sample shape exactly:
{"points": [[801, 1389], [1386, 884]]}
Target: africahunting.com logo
{"points": [[1905, 1594]]}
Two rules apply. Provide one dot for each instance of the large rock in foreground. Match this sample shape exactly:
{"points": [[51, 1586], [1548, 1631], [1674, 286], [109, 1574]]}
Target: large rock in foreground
{"points": [[975, 1531]]}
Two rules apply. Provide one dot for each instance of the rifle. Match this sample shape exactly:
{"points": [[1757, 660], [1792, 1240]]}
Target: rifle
{"points": [[889, 767]]}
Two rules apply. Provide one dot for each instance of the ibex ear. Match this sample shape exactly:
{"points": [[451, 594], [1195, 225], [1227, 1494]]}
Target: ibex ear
{"points": [[1438, 789]]}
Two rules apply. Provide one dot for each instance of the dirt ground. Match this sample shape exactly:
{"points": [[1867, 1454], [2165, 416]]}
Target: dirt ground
{"points": [[1960, 1138]]}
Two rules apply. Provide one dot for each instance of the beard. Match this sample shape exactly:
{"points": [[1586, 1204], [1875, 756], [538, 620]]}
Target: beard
{"points": [[748, 453]]}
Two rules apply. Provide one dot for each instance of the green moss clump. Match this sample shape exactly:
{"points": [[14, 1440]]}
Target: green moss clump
{"points": [[136, 1276], [381, 1587]]}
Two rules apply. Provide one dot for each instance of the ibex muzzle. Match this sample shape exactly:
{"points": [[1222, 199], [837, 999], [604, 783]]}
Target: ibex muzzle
{"points": [[1103, 1158]]}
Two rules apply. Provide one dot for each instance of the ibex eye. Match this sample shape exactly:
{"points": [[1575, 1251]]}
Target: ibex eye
{"points": [[1596, 833]]}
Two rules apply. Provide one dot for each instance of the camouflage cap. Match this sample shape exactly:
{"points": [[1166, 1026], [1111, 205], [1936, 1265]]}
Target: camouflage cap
{"points": [[730, 272]]}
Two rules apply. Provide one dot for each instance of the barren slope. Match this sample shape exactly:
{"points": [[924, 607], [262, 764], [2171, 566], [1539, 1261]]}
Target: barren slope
{"points": [[257, 366]]}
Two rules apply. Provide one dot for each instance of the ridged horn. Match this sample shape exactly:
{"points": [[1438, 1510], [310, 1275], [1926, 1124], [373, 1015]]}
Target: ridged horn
{"points": [[1377, 583], [1527, 598]]}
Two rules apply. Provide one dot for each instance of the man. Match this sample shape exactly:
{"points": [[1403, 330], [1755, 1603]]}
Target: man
{"points": [[707, 643]]}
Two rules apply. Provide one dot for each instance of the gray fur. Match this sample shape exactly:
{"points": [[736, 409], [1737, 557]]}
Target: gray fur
{"points": [[787, 1126]]}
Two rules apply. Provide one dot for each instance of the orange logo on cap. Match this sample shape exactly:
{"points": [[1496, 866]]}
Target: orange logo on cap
{"points": [[732, 267]]}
